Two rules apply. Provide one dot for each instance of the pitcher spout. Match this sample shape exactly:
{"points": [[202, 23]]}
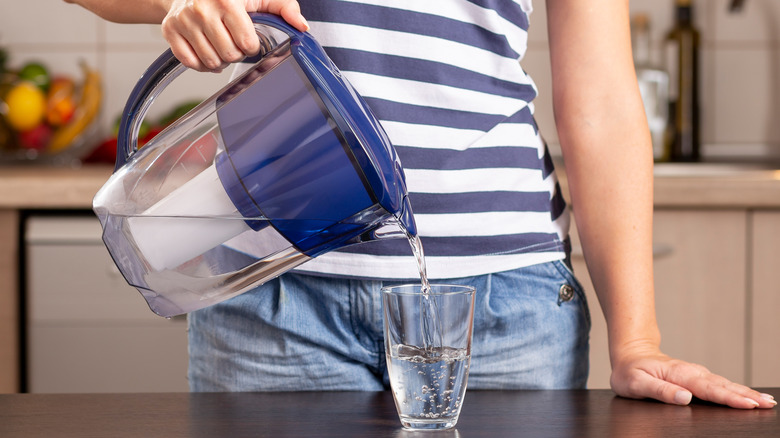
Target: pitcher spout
{"points": [[400, 226], [406, 218]]}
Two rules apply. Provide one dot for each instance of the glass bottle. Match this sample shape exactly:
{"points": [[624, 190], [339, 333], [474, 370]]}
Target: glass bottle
{"points": [[683, 64], [653, 85]]}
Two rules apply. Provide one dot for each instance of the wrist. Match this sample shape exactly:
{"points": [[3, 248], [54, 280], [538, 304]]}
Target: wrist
{"points": [[623, 348], [162, 8]]}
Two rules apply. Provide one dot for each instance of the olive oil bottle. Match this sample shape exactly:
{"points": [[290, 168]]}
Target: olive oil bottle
{"points": [[683, 65]]}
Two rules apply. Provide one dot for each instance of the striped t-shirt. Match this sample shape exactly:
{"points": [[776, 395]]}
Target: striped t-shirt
{"points": [[444, 79]]}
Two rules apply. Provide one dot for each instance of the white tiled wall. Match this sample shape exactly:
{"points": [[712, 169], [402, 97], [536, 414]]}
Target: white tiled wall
{"points": [[740, 62]]}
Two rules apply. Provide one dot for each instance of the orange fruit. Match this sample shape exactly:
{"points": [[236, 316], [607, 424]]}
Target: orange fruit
{"points": [[60, 101], [26, 106], [60, 111]]}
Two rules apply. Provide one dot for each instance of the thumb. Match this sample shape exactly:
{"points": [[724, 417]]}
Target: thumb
{"points": [[290, 10], [681, 396], [646, 386]]}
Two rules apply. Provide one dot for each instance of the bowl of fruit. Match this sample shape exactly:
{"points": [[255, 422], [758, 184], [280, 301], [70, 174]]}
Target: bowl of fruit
{"points": [[47, 117]]}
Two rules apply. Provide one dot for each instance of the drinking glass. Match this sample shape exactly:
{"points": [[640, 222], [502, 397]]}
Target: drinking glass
{"points": [[428, 348]]}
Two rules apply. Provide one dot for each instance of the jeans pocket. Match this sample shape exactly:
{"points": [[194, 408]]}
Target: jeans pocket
{"points": [[577, 290]]}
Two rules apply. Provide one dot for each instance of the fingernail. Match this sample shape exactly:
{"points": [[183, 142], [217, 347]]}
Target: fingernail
{"points": [[767, 396], [304, 23], [682, 397], [751, 401]]}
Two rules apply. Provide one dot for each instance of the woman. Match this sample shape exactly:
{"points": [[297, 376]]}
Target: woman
{"points": [[445, 82]]}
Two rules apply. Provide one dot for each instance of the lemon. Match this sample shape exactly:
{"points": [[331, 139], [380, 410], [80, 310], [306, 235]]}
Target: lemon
{"points": [[26, 106]]}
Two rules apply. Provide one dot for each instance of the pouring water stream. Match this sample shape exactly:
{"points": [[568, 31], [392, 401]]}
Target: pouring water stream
{"points": [[429, 315]]}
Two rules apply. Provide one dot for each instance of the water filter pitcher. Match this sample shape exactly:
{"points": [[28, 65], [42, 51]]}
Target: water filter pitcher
{"points": [[284, 163]]}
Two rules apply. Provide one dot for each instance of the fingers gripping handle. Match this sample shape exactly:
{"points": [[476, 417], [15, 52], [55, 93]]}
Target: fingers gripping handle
{"points": [[164, 70]]}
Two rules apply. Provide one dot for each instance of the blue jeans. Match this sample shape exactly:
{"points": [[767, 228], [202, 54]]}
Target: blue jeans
{"points": [[301, 332]]}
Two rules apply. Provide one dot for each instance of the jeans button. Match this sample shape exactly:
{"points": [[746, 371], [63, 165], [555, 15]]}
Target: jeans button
{"points": [[565, 293]]}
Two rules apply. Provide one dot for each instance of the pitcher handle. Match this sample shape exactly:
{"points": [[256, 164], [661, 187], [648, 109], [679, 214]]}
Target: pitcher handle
{"points": [[165, 69]]}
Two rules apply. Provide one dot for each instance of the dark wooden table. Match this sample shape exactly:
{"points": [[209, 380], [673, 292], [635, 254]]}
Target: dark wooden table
{"points": [[586, 413]]}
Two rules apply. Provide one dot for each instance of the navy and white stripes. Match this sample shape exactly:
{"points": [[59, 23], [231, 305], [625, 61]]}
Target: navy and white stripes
{"points": [[444, 79]]}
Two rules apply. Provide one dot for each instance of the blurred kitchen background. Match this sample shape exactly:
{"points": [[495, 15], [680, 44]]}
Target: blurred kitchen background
{"points": [[739, 72], [739, 64], [69, 322]]}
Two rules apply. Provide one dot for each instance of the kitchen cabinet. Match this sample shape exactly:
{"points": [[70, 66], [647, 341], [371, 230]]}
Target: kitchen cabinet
{"points": [[764, 300], [717, 297], [714, 208], [9, 302], [87, 329], [25, 188], [700, 288]]}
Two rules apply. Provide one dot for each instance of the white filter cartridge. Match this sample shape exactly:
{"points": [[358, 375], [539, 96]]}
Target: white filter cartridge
{"points": [[189, 221]]}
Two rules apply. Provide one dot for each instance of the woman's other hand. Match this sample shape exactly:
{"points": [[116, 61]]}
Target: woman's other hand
{"points": [[645, 372]]}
